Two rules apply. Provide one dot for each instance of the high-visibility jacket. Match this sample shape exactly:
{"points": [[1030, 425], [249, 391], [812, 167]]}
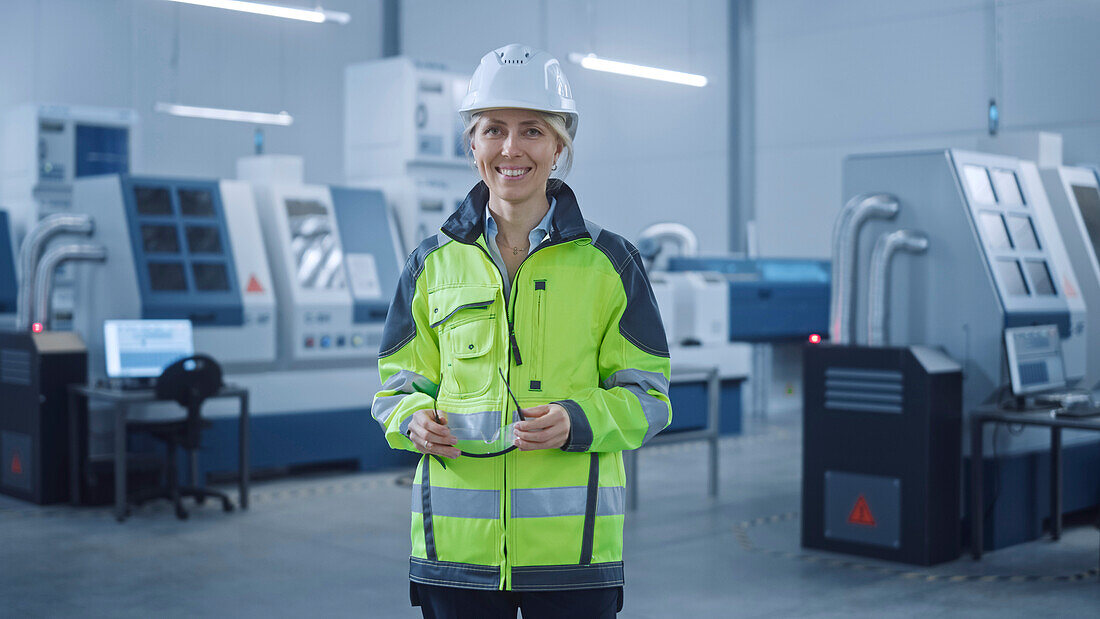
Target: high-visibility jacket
{"points": [[581, 328]]}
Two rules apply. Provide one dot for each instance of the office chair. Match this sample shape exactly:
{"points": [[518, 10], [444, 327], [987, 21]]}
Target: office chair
{"points": [[189, 382]]}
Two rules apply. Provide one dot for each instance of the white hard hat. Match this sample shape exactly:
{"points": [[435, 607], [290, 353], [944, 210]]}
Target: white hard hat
{"points": [[518, 76]]}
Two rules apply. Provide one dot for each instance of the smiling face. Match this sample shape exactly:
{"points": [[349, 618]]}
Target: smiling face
{"points": [[514, 150]]}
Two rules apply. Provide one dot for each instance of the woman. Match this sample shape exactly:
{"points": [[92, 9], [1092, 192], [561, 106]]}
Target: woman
{"points": [[522, 353]]}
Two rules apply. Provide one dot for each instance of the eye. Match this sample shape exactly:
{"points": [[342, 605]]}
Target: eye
{"points": [[491, 131], [533, 132]]}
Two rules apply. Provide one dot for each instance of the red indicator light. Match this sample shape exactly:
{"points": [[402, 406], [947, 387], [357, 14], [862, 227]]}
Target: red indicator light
{"points": [[37, 327], [815, 338]]}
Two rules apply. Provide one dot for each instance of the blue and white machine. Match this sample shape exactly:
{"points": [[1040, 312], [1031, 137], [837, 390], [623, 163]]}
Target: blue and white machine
{"points": [[336, 266], [178, 248], [770, 299]]}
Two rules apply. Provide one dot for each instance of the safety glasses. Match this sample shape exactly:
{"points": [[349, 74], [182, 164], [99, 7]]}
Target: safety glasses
{"points": [[473, 443]]}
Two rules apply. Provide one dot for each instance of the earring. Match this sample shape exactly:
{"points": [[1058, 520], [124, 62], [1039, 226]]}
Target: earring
{"points": [[554, 167]]}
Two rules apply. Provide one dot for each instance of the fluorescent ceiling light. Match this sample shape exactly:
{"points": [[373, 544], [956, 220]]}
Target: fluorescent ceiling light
{"points": [[591, 61], [317, 15], [214, 113]]}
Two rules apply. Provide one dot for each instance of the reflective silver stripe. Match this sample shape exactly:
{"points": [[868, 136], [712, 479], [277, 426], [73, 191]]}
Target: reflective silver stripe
{"points": [[639, 382], [404, 383], [565, 501], [459, 502], [641, 378], [474, 426]]}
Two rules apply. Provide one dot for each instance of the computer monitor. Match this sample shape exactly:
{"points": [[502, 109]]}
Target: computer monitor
{"points": [[1035, 361], [143, 348]]}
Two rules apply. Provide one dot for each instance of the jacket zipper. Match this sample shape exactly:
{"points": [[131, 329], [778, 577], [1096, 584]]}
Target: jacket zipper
{"points": [[514, 345]]}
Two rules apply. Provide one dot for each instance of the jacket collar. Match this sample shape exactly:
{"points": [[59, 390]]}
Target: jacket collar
{"points": [[467, 224]]}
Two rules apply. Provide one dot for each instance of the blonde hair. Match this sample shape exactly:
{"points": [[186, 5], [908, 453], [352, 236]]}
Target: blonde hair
{"points": [[557, 125]]}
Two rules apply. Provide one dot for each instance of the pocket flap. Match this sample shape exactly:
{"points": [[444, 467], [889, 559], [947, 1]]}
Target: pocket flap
{"points": [[446, 302]]}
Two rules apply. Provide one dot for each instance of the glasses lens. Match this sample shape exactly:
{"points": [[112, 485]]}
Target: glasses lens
{"points": [[473, 442]]}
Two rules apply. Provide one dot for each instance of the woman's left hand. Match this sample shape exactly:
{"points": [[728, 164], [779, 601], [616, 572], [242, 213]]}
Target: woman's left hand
{"points": [[545, 427]]}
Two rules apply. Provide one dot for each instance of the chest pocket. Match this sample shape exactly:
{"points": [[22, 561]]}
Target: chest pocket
{"points": [[465, 317]]}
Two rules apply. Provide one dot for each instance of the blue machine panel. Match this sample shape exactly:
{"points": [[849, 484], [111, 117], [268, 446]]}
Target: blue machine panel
{"points": [[365, 229], [102, 150], [181, 250], [8, 285], [770, 299]]}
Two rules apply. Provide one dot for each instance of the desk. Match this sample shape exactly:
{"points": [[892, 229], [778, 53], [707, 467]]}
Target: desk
{"points": [[983, 415], [681, 374], [122, 401]]}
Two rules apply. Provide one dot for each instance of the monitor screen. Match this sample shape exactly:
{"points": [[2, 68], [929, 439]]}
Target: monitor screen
{"points": [[1035, 361], [143, 348]]}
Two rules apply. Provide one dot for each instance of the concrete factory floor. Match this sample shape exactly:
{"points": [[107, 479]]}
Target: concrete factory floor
{"points": [[336, 545]]}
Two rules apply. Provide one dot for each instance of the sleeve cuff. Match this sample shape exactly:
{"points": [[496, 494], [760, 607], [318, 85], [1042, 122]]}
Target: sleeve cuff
{"points": [[580, 431]]}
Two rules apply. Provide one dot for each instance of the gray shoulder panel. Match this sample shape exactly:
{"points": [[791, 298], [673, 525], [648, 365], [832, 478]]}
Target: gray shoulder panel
{"points": [[400, 328], [641, 322]]}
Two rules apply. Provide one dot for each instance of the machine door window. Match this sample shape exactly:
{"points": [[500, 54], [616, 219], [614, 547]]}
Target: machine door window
{"points": [[1088, 202], [1023, 233], [1012, 277], [159, 239], [167, 276], [1007, 187], [1041, 281], [153, 200], [196, 203], [203, 240], [977, 179], [996, 235], [210, 277]]}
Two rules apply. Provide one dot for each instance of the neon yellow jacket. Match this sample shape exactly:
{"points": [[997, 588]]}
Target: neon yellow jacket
{"points": [[581, 329]]}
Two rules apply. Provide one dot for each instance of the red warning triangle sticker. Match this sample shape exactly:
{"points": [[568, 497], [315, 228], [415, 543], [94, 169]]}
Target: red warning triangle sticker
{"points": [[16, 464], [861, 513], [254, 285], [1068, 287]]}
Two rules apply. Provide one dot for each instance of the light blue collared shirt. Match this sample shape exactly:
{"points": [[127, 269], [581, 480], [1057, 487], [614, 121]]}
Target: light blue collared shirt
{"points": [[537, 236]]}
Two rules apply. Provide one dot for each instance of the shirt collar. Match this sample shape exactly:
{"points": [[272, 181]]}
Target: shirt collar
{"points": [[543, 226]]}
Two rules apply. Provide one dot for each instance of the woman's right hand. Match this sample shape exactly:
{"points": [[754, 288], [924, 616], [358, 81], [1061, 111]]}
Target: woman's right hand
{"points": [[430, 435]]}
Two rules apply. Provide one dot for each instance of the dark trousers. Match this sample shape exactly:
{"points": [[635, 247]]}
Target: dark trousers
{"points": [[453, 603]]}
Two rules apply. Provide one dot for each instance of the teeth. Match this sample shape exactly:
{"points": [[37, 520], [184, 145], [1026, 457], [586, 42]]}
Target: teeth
{"points": [[513, 172]]}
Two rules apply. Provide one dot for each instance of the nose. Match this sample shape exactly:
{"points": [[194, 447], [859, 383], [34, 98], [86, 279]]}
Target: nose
{"points": [[510, 147]]}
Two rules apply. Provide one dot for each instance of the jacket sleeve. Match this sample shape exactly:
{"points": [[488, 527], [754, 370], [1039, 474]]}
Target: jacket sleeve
{"points": [[631, 405], [408, 361]]}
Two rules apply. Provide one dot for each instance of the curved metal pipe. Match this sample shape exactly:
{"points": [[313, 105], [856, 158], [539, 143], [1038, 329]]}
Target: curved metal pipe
{"points": [[878, 294], [43, 284], [845, 246], [649, 241], [35, 240]]}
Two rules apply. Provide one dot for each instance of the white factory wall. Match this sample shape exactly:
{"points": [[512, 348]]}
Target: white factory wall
{"points": [[133, 53], [837, 78], [645, 151]]}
